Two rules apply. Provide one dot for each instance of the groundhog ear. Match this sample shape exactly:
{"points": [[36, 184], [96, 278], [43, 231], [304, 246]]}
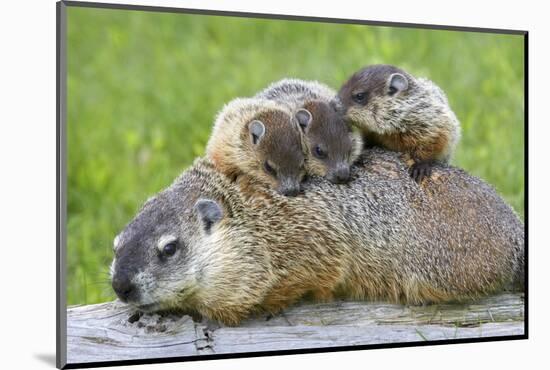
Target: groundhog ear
{"points": [[257, 131], [303, 117], [209, 213], [397, 83]]}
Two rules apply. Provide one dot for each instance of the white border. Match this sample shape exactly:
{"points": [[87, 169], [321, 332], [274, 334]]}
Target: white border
{"points": [[27, 154]]}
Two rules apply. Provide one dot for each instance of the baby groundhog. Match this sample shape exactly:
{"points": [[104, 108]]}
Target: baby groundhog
{"points": [[401, 113], [259, 138], [331, 145]]}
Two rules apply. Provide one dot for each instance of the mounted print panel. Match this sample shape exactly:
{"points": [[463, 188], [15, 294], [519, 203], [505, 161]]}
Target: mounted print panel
{"points": [[236, 184]]}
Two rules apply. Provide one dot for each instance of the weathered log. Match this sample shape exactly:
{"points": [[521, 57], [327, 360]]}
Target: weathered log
{"points": [[112, 331]]}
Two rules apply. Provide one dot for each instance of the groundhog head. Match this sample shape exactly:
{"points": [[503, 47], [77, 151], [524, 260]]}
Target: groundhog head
{"points": [[150, 269], [179, 253], [374, 98], [331, 144], [275, 142]]}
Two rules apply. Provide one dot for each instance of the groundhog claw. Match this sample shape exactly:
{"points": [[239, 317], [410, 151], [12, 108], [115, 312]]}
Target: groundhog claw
{"points": [[420, 170]]}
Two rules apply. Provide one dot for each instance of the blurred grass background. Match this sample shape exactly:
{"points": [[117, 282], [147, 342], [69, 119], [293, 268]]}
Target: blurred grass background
{"points": [[143, 89]]}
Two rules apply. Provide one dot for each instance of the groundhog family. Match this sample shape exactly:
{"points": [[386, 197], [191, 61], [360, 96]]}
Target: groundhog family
{"points": [[289, 203], [296, 128]]}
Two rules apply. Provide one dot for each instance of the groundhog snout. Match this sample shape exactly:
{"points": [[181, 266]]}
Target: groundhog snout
{"points": [[340, 175], [124, 288], [289, 188]]}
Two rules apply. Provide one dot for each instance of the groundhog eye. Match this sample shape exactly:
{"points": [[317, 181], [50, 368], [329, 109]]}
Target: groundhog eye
{"points": [[269, 169], [169, 249], [360, 98], [319, 153]]}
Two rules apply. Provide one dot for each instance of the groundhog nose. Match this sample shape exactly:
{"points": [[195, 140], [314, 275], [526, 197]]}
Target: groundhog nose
{"points": [[289, 189], [290, 192], [341, 175], [123, 287]]}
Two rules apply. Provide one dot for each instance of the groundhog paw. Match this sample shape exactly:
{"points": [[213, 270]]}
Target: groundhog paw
{"points": [[421, 170]]}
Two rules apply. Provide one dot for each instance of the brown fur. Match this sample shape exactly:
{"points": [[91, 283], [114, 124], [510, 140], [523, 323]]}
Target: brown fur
{"points": [[420, 147], [416, 120], [380, 237], [232, 151], [327, 130]]}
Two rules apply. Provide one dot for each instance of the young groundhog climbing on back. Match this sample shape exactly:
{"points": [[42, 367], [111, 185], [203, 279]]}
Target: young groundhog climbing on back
{"points": [[259, 138], [331, 144], [401, 113]]}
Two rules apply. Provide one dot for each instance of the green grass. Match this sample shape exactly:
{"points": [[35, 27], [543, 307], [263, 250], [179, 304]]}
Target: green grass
{"points": [[143, 89]]}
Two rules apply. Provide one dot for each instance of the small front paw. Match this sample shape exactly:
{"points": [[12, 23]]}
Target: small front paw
{"points": [[420, 170]]}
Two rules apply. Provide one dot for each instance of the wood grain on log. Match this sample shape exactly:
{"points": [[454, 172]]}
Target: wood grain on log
{"points": [[112, 331]]}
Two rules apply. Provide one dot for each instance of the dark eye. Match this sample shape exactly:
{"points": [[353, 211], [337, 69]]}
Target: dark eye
{"points": [[269, 169], [169, 249], [319, 153], [360, 98]]}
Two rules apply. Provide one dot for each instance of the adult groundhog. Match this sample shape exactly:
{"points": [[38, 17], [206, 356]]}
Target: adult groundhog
{"points": [[259, 138], [331, 144], [204, 245], [402, 113]]}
